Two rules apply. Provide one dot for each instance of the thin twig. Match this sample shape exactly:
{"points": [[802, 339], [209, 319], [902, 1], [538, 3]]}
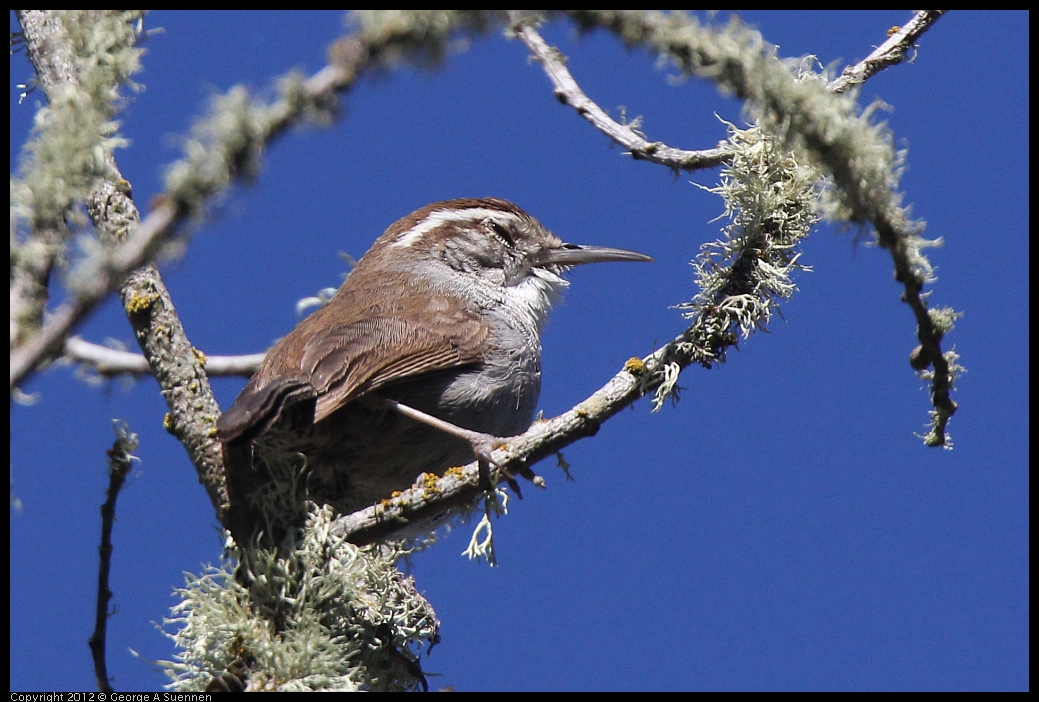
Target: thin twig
{"points": [[120, 460], [568, 92], [890, 53], [111, 362]]}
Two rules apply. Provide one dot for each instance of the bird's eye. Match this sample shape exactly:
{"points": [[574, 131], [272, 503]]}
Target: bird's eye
{"points": [[503, 233]]}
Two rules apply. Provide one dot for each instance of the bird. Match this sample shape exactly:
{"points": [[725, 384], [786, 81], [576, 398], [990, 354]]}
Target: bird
{"points": [[426, 356]]}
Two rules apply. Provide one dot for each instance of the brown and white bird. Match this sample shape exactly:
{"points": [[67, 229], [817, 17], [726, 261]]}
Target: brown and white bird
{"points": [[441, 317]]}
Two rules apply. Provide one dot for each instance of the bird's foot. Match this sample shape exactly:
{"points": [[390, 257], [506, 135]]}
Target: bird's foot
{"points": [[483, 447]]}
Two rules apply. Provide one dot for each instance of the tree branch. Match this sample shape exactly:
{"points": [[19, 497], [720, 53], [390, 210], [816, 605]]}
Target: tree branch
{"points": [[890, 53], [568, 92], [434, 499]]}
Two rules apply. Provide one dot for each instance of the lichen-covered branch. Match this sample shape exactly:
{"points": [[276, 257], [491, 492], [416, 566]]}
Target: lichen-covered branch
{"points": [[824, 128], [327, 616]]}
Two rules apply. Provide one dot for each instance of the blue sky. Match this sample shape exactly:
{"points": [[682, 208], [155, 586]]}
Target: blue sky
{"points": [[781, 527]]}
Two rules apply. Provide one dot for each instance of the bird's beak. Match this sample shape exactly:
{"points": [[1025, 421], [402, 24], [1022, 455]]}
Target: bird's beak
{"points": [[575, 255]]}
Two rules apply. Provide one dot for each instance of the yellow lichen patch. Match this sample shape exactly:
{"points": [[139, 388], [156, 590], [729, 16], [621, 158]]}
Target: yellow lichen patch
{"points": [[139, 302], [167, 422], [455, 472], [635, 366], [199, 356], [429, 484]]}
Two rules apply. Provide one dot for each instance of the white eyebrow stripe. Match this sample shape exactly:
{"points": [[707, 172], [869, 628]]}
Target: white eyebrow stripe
{"points": [[435, 219]]}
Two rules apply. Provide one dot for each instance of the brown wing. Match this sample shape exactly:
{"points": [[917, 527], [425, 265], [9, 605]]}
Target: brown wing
{"points": [[350, 360], [348, 348], [259, 405]]}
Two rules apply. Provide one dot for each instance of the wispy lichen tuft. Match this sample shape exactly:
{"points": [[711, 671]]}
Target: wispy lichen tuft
{"points": [[330, 616], [742, 277]]}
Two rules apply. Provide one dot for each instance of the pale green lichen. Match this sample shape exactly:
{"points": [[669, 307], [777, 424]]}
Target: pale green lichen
{"points": [[768, 198], [328, 616]]}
